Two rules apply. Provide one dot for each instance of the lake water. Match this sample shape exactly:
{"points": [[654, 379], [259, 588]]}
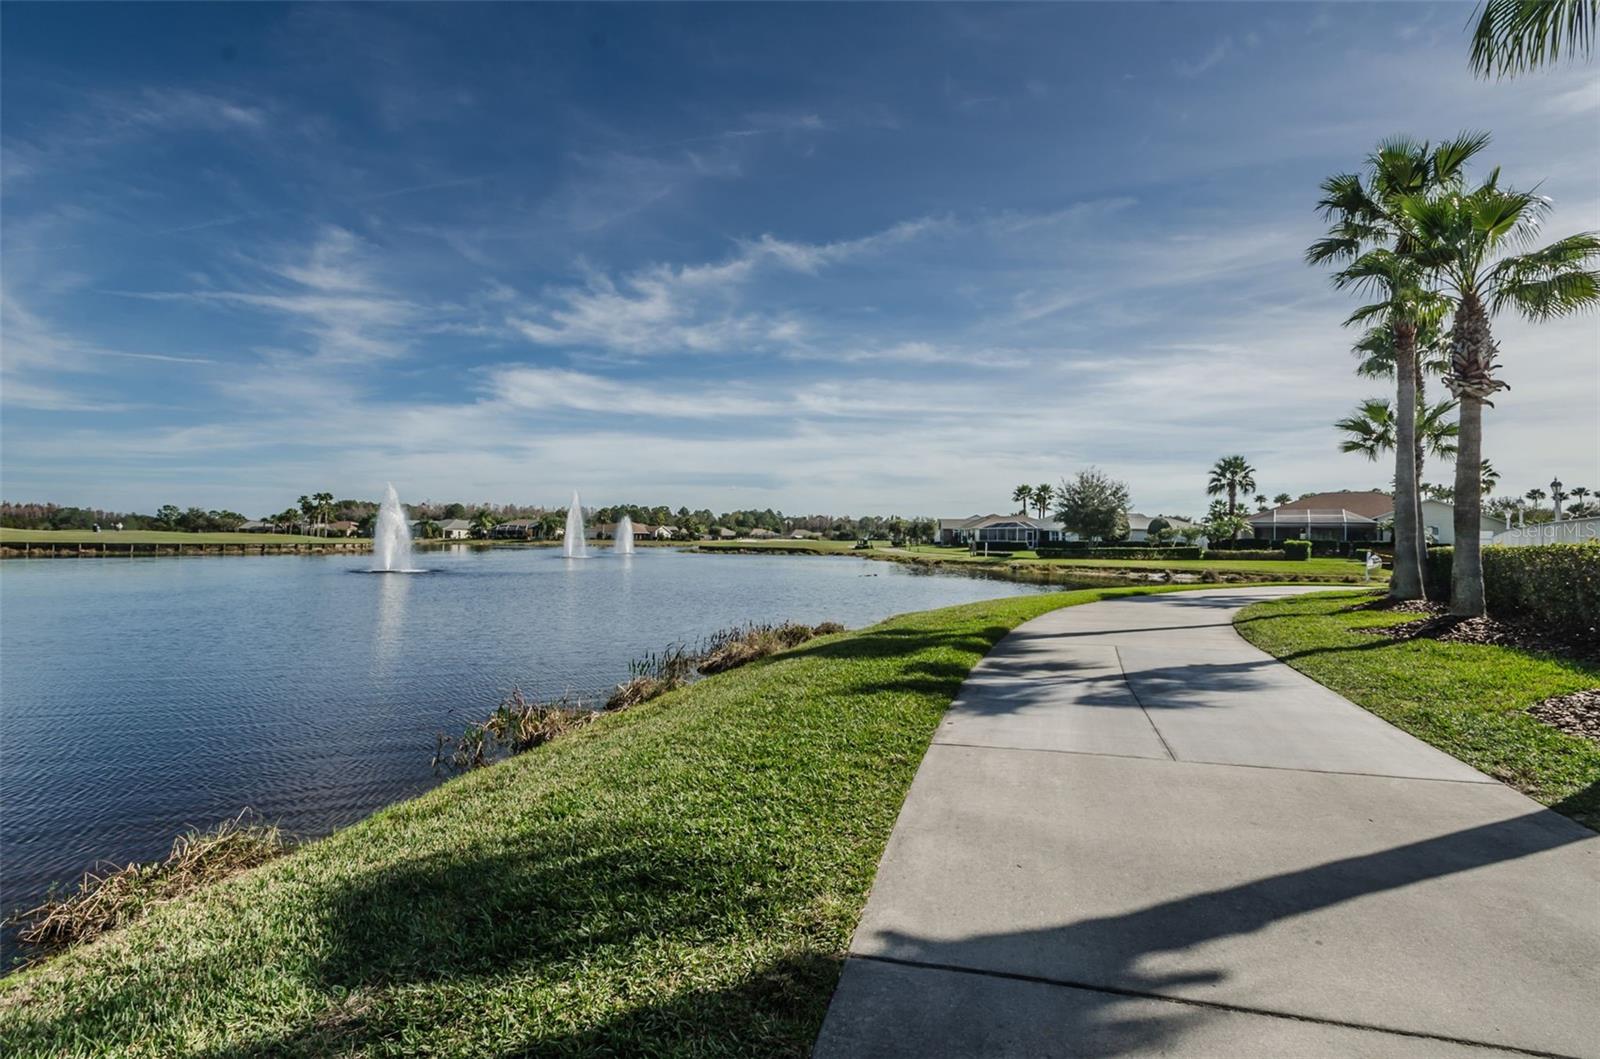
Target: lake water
{"points": [[144, 696]]}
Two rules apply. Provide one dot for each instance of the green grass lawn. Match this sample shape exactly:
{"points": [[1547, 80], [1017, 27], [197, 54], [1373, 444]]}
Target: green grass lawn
{"points": [[679, 878], [1468, 700], [17, 536], [1346, 570]]}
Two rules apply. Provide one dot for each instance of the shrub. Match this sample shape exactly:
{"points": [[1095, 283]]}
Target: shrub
{"points": [[1299, 551], [1053, 551], [1436, 574], [1244, 553], [1555, 585]]}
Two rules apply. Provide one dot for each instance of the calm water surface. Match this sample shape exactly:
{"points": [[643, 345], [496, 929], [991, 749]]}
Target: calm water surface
{"points": [[143, 696]]}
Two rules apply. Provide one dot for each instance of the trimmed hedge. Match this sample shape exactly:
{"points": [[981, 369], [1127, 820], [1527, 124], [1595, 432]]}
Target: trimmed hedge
{"points": [[1300, 551], [1554, 585], [1053, 551], [1244, 553]]}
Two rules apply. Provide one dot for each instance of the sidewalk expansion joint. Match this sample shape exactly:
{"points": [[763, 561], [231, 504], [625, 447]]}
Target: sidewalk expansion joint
{"points": [[1210, 1004]]}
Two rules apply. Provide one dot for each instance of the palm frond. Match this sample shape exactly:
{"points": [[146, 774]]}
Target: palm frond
{"points": [[1514, 36], [1554, 280]]}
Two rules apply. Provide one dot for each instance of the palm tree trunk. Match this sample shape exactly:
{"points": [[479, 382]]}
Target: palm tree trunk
{"points": [[1422, 526], [1472, 362], [1466, 566], [1407, 580]]}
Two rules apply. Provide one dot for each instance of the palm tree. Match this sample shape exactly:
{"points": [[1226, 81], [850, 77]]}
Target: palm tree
{"points": [[1042, 495], [1281, 499], [1580, 494], [1515, 36], [324, 509], [1022, 494], [1231, 475], [1261, 502], [483, 522], [1488, 477], [1462, 238], [1370, 233], [1370, 429], [1533, 496]]}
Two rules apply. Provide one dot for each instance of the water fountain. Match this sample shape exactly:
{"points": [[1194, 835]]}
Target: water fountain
{"points": [[624, 545], [573, 546], [391, 537]]}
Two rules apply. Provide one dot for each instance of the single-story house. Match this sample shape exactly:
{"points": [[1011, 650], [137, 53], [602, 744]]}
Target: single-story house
{"points": [[1009, 531], [342, 528], [759, 534], [1346, 515], [1439, 519], [455, 529], [723, 533], [805, 535], [517, 529], [605, 531], [255, 525], [1315, 524]]}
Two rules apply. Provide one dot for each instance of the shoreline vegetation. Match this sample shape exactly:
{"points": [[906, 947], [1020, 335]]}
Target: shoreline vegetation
{"points": [[686, 871], [1471, 700], [1018, 566], [1028, 566]]}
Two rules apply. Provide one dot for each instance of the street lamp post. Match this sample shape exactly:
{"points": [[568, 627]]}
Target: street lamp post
{"points": [[1556, 496]]}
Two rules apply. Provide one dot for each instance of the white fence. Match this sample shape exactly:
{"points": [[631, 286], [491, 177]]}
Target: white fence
{"points": [[1567, 531]]}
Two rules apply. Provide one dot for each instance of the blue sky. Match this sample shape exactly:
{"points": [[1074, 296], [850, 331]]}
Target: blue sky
{"points": [[844, 258]]}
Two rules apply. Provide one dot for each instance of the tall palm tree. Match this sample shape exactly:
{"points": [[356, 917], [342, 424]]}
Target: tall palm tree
{"points": [[1042, 495], [1231, 475], [483, 522], [1533, 496], [1281, 499], [1370, 234], [1261, 502], [1465, 240], [308, 508], [1580, 494], [1515, 36], [324, 509], [1022, 494], [1370, 429]]}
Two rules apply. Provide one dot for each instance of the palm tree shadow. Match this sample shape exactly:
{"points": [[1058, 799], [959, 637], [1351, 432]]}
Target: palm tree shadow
{"points": [[1083, 985]]}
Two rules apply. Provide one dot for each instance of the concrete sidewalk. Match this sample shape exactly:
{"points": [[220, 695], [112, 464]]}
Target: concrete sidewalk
{"points": [[1135, 834]]}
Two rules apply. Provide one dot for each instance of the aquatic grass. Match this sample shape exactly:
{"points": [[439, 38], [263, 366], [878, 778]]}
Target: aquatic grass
{"points": [[109, 899], [681, 877], [518, 724]]}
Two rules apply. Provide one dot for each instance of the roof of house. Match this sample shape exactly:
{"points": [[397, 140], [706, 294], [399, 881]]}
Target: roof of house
{"points": [[985, 521], [1286, 516], [455, 524], [1370, 504]]}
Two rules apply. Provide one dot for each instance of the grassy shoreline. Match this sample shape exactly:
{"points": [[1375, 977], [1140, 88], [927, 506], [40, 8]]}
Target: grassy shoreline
{"points": [[1469, 700], [1028, 566], [683, 875]]}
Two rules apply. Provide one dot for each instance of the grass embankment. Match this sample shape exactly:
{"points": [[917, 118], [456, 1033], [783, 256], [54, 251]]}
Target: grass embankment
{"points": [[18, 536], [683, 876], [1469, 700], [1026, 562]]}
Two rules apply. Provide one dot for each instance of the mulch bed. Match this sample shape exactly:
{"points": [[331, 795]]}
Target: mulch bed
{"points": [[1437, 623], [1575, 714]]}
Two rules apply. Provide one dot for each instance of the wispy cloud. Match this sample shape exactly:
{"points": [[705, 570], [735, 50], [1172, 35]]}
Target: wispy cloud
{"points": [[1211, 59], [690, 308], [331, 296]]}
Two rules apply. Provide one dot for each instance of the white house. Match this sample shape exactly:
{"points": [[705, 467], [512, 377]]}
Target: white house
{"points": [[455, 529], [1139, 525], [1001, 531], [1439, 522]]}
